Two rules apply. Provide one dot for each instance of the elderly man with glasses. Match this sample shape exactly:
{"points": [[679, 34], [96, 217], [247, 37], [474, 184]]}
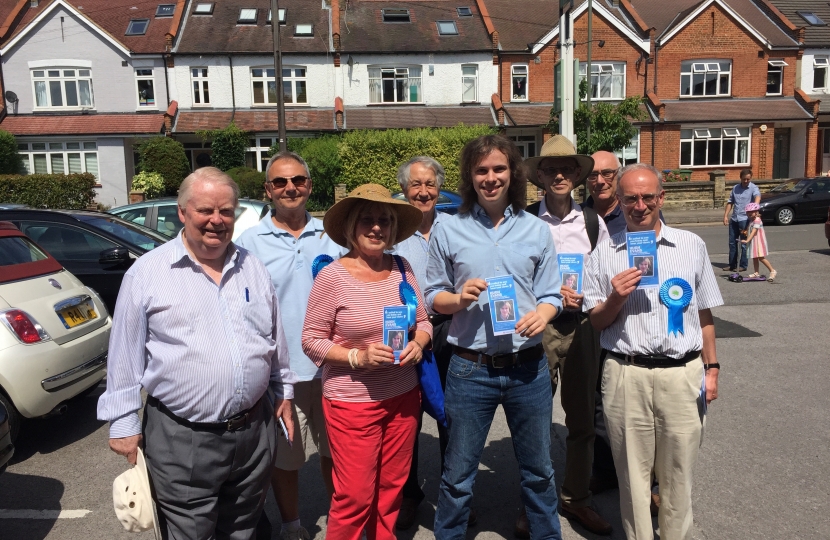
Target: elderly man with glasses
{"points": [[661, 366], [602, 185], [287, 241]]}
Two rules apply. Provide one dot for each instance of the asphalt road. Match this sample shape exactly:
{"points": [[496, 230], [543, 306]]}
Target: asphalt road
{"points": [[763, 472]]}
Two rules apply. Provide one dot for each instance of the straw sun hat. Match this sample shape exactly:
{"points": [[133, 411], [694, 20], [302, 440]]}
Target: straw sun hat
{"points": [[558, 146], [409, 218]]}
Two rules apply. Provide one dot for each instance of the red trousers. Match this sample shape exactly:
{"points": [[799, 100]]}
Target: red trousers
{"points": [[371, 446]]}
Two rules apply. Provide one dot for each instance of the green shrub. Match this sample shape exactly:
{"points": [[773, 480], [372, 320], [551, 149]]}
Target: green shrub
{"points": [[10, 162], [374, 156], [228, 146], [151, 183], [70, 191], [251, 182], [323, 157], [166, 157]]}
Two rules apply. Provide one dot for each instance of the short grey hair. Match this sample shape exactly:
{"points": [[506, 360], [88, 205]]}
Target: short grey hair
{"points": [[208, 175], [437, 168], [640, 167], [286, 155]]}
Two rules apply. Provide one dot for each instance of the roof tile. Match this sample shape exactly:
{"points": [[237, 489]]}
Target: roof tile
{"points": [[87, 124]]}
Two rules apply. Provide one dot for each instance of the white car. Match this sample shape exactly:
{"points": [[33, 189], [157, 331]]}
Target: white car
{"points": [[54, 331]]}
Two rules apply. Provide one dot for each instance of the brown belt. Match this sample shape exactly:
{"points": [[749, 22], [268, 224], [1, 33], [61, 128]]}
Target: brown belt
{"points": [[501, 361]]}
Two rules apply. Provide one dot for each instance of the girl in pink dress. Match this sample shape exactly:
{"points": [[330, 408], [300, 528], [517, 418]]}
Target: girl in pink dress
{"points": [[755, 234]]}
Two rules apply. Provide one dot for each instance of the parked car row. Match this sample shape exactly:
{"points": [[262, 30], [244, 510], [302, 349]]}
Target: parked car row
{"points": [[796, 199]]}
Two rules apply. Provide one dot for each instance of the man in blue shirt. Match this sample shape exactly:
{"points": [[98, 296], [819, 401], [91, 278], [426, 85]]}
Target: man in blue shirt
{"points": [[287, 241], [742, 194]]}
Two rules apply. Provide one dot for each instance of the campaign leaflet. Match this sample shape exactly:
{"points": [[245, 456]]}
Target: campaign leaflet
{"points": [[571, 268], [642, 254], [396, 329], [501, 292]]}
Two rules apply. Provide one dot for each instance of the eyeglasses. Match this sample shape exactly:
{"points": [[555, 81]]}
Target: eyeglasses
{"points": [[298, 181], [606, 173], [649, 199], [369, 222], [550, 172]]}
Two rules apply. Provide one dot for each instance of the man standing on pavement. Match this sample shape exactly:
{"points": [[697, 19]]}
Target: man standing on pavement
{"points": [[197, 325], [602, 185], [742, 194], [421, 179], [661, 366], [287, 241], [570, 342]]}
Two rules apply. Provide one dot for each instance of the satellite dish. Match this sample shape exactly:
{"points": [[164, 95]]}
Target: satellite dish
{"points": [[11, 96]]}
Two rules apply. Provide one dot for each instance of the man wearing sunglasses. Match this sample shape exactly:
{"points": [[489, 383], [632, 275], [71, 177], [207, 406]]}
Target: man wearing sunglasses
{"points": [[570, 342], [287, 241], [652, 392]]}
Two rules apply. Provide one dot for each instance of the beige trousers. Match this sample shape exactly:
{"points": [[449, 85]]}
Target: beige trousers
{"points": [[655, 422], [572, 347]]}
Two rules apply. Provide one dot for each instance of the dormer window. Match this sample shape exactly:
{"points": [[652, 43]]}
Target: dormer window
{"points": [[304, 30], [165, 10], [464, 12], [137, 27], [395, 15], [775, 76], [282, 16], [247, 16], [820, 69], [204, 8], [705, 78], [447, 28]]}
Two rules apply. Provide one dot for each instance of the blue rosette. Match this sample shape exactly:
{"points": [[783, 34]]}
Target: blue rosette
{"points": [[320, 262], [410, 298], [676, 294]]}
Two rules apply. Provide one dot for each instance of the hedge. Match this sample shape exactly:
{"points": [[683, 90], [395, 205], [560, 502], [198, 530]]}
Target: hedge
{"points": [[69, 191], [251, 182], [10, 161], [228, 146], [325, 166], [165, 156]]}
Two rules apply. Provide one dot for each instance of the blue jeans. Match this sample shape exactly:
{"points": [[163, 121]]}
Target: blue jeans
{"points": [[473, 393], [735, 229]]}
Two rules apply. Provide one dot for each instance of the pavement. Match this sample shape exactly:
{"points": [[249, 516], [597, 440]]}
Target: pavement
{"points": [[707, 216]]}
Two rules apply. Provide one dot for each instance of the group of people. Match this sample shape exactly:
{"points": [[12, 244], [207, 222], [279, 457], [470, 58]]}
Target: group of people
{"points": [[746, 230], [250, 351]]}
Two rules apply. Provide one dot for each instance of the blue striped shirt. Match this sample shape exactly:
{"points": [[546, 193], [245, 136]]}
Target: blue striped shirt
{"points": [[289, 260], [415, 250], [642, 324], [206, 351], [466, 246]]}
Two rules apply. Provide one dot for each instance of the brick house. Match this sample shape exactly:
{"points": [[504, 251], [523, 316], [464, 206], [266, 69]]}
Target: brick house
{"points": [[83, 82]]}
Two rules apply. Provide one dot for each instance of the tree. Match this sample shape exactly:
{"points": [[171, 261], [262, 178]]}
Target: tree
{"points": [[10, 162], [611, 127], [228, 146], [251, 182], [166, 157]]}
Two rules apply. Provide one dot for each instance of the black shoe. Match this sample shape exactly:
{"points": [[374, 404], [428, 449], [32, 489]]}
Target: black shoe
{"points": [[407, 514], [473, 518]]}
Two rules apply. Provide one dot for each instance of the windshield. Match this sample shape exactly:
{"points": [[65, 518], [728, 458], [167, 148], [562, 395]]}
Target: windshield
{"points": [[131, 233], [18, 250], [791, 186]]}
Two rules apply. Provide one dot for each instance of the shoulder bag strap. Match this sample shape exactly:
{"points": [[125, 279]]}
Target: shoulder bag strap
{"points": [[591, 225]]}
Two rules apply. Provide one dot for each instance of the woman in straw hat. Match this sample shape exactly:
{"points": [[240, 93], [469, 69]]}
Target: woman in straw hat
{"points": [[371, 404], [492, 236]]}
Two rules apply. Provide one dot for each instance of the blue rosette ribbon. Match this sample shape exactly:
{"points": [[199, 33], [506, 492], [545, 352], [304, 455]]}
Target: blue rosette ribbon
{"points": [[676, 294], [410, 298], [320, 262]]}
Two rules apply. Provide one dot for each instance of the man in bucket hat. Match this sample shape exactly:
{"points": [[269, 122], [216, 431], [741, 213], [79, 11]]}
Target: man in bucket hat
{"points": [[570, 342]]}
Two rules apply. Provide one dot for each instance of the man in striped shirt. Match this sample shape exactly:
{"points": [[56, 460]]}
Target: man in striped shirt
{"points": [[652, 388]]}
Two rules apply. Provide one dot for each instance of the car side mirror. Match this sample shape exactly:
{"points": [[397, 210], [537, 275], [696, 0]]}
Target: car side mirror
{"points": [[114, 255], [809, 191]]}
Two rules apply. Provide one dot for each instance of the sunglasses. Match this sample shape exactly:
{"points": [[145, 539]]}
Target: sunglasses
{"points": [[298, 181], [553, 171]]}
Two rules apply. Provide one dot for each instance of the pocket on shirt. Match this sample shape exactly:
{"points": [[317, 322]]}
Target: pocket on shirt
{"points": [[526, 250], [257, 315]]}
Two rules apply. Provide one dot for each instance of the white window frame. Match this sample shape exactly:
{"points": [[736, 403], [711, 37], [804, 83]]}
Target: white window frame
{"points": [[514, 75], [141, 75], [776, 65], [605, 73], [708, 137], [289, 76], [259, 151], [204, 8], [469, 77], [46, 76], [199, 83], [247, 16], [690, 69], [379, 74], [86, 150], [820, 63], [631, 153], [447, 28]]}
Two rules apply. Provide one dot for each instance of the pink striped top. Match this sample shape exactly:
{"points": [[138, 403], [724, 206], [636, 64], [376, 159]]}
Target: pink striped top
{"points": [[345, 311]]}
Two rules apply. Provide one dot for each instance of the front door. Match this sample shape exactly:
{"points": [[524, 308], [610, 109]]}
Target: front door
{"points": [[825, 154], [781, 154]]}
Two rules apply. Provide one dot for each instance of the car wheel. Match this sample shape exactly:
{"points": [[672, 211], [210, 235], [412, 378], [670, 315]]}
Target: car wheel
{"points": [[14, 417], [784, 216]]}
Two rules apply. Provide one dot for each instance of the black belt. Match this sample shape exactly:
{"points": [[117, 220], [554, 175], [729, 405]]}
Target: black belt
{"points": [[435, 320], [234, 423], [500, 361], [654, 360]]}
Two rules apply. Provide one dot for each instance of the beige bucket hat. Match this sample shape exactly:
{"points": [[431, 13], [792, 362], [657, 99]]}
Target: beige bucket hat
{"points": [[133, 501], [409, 218], [558, 146]]}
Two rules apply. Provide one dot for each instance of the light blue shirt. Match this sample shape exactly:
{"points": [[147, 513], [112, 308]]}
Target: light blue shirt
{"points": [[206, 351], [466, 246], [740, 197], [415, 249], [289, 261]]}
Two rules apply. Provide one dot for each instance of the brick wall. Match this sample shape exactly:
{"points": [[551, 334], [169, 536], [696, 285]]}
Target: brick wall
{"points": [[540, 76]]}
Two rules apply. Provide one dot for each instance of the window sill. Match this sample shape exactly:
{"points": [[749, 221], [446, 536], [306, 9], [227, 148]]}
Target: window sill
{"points": [[469, 103], [398, 104], [81, 110], [779, 94], [514, 100], [724, 96], [714, 166], [274, 105]]}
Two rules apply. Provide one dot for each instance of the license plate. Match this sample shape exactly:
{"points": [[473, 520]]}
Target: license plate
{"points": [[75, 315]]}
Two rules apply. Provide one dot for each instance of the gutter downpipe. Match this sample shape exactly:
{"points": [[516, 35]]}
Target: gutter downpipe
{"points": [[233, 92]]}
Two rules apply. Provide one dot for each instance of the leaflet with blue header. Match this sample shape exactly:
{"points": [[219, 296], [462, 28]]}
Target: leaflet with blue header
{"points": [[501, 292], [642, 255], [396, 329], [571, 269]]}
